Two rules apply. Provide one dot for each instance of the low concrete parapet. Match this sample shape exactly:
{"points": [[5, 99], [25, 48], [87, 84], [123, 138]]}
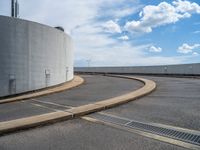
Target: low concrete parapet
{"points": [[184, 70]]}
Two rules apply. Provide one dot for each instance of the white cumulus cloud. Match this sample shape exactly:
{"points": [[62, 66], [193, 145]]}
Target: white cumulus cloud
{"points": [[112, 27], [81, 19], [186, 6], [125, 37], [195, 54], [185, 48], [164, 13], [155, 49]]}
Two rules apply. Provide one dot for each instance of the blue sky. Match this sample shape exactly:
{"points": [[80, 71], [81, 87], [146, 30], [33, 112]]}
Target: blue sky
{"points": [[122, 32]]}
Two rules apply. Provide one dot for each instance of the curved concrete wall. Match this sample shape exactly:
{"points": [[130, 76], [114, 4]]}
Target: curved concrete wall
{"points": [[187, 69], [32, 56]]}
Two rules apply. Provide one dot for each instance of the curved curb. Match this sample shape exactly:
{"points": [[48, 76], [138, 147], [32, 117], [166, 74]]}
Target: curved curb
{"points": [[77, 81], [24, 123]]}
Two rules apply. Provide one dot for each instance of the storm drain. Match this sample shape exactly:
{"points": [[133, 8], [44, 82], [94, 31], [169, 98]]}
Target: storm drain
{"points": [[177, 135], [147, 127], [111, 119]]}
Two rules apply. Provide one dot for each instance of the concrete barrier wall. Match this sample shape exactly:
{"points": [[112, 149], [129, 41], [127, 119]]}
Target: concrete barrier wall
{"points": [[187, 69], [32, 56]]}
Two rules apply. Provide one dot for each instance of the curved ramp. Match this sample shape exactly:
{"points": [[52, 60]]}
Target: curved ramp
{"points": [[24, 123]]}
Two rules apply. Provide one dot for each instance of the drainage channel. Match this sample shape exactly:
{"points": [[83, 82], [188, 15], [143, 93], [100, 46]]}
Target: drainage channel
{"points": [[184, 135]]}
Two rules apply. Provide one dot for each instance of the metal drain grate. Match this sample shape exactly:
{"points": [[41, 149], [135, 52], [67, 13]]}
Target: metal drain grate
{"points": [[110, 119], [175, 134], [154, 129]]}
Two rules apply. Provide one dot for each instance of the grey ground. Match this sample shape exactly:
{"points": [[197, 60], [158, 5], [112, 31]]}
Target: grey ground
{"points": [[80, 135], [175, 102], [95, 88]]}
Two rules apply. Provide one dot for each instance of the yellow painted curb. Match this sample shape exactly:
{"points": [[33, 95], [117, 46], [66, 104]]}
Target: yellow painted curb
{"points": [[15, 125], [66, 86]]}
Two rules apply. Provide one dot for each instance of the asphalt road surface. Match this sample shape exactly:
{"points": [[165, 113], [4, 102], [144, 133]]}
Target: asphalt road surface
{"points": [[94, 89], [80, 135], [175, 102]]}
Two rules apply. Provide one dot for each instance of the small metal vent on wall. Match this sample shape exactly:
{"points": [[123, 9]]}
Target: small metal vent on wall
{"points": [[67, 70], [12, 84], [47, 77]]}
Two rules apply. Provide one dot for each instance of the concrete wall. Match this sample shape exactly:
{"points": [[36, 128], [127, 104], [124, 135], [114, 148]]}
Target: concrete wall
{"points": [[187, 69], [32, 56]]}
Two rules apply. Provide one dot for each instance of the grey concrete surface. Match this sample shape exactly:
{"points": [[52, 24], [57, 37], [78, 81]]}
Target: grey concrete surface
{"points": [[95, 88], [185, 69], [175, 102], [80, 135], [32, 56]]}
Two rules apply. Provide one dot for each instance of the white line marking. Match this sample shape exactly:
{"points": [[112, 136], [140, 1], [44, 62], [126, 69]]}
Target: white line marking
{"points": [[51, 103], [42, 106]]}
